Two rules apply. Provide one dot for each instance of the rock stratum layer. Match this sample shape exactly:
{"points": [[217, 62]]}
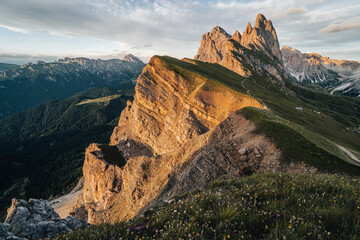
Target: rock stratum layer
{"points": [[340, 76], [258, 47], [176, 136]]}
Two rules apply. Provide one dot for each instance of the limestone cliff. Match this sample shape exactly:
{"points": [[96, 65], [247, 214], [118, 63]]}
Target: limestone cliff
{"points": [[257, 47], [176, 136]]}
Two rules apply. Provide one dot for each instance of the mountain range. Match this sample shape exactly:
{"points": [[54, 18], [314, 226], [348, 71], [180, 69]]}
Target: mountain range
{"points": [[334, 76], [237, 108], [31, 84]]}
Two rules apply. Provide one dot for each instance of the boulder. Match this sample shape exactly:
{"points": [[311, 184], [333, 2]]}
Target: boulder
{"points": [[35, 219]]}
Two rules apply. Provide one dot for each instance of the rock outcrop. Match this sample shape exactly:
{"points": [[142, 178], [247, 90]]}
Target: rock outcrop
{"points": [[169, 110], [257, 47], [339, 76], [35, 219], [213, 45], [176, 136]]}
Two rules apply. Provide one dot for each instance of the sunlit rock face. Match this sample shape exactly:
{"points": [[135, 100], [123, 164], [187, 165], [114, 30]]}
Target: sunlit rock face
{"points": [[167, 125], [258, 47]]}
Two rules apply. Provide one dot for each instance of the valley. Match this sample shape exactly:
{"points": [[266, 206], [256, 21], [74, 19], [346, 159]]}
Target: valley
{"points": [[234, 143]]}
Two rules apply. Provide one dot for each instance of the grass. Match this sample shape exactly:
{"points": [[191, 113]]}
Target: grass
{"points": [[336, 112], [104, 100], [298, 144], [262, 206]]}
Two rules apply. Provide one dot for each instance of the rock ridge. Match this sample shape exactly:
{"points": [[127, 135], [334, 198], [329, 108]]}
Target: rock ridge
{"points": [[258, 47], [335, 76]]}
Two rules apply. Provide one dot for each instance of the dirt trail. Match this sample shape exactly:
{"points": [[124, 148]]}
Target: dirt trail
{"points": [[350, 154], [64, 204]]}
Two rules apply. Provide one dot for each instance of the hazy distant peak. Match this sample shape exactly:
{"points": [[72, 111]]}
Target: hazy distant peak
{"points": [[131, 58]]}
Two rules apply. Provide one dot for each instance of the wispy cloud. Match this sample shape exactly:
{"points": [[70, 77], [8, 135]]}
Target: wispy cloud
{"points": [[175, 27], [289, 12], [345, 25], [21, 58]]}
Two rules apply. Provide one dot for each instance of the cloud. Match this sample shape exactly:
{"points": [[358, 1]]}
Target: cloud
{"points": [[21, 58], [341, 26], [144, 46], [289, 12], [175, 27]]}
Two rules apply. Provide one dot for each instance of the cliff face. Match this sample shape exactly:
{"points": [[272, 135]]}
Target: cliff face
{"points": [[176, 136], [339, 76], [257, 47], [169, 125], [169, 109]]}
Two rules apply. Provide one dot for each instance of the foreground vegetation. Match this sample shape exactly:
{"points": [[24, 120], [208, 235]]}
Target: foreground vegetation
{"points": [[262, 206]]}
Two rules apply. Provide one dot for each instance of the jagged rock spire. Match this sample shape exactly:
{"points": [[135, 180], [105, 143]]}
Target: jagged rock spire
{"points": [[236, 36], [212, 45], [247, 30], [262, 38]]}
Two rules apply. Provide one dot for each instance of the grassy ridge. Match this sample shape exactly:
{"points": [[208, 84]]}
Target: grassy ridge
{"points": [[298, 144], [262, 206], [336, 112]]}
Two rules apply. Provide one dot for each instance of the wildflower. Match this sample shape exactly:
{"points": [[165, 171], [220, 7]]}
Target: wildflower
{"points": [[290, 226]]}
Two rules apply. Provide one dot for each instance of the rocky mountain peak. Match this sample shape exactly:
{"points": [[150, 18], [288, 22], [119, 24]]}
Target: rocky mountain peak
{"points": [[247, 30], [217, 30], [236, 36], [213, 45], [287, 48], [262, 38], [261, 21], [131, 58]]}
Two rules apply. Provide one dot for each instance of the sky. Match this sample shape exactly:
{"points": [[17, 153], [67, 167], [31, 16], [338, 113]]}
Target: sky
{"points": [[47, 30]]}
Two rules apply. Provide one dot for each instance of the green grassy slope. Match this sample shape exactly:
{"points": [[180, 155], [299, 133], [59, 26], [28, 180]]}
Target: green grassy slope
{"points": [[46, 144], [336, 113], [262, 206]]}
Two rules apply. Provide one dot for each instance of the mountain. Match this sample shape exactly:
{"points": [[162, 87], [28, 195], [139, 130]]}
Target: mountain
{"points": [[32, 84], [230, 111], [7, 66], [193, 121], [335, 76], [258, 49], [42, 149]]}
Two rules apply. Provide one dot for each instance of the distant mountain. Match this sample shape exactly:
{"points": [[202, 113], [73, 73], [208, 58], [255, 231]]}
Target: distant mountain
{"points": [[336, 76], [7, 66], [41, 149], [32, 84]]}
